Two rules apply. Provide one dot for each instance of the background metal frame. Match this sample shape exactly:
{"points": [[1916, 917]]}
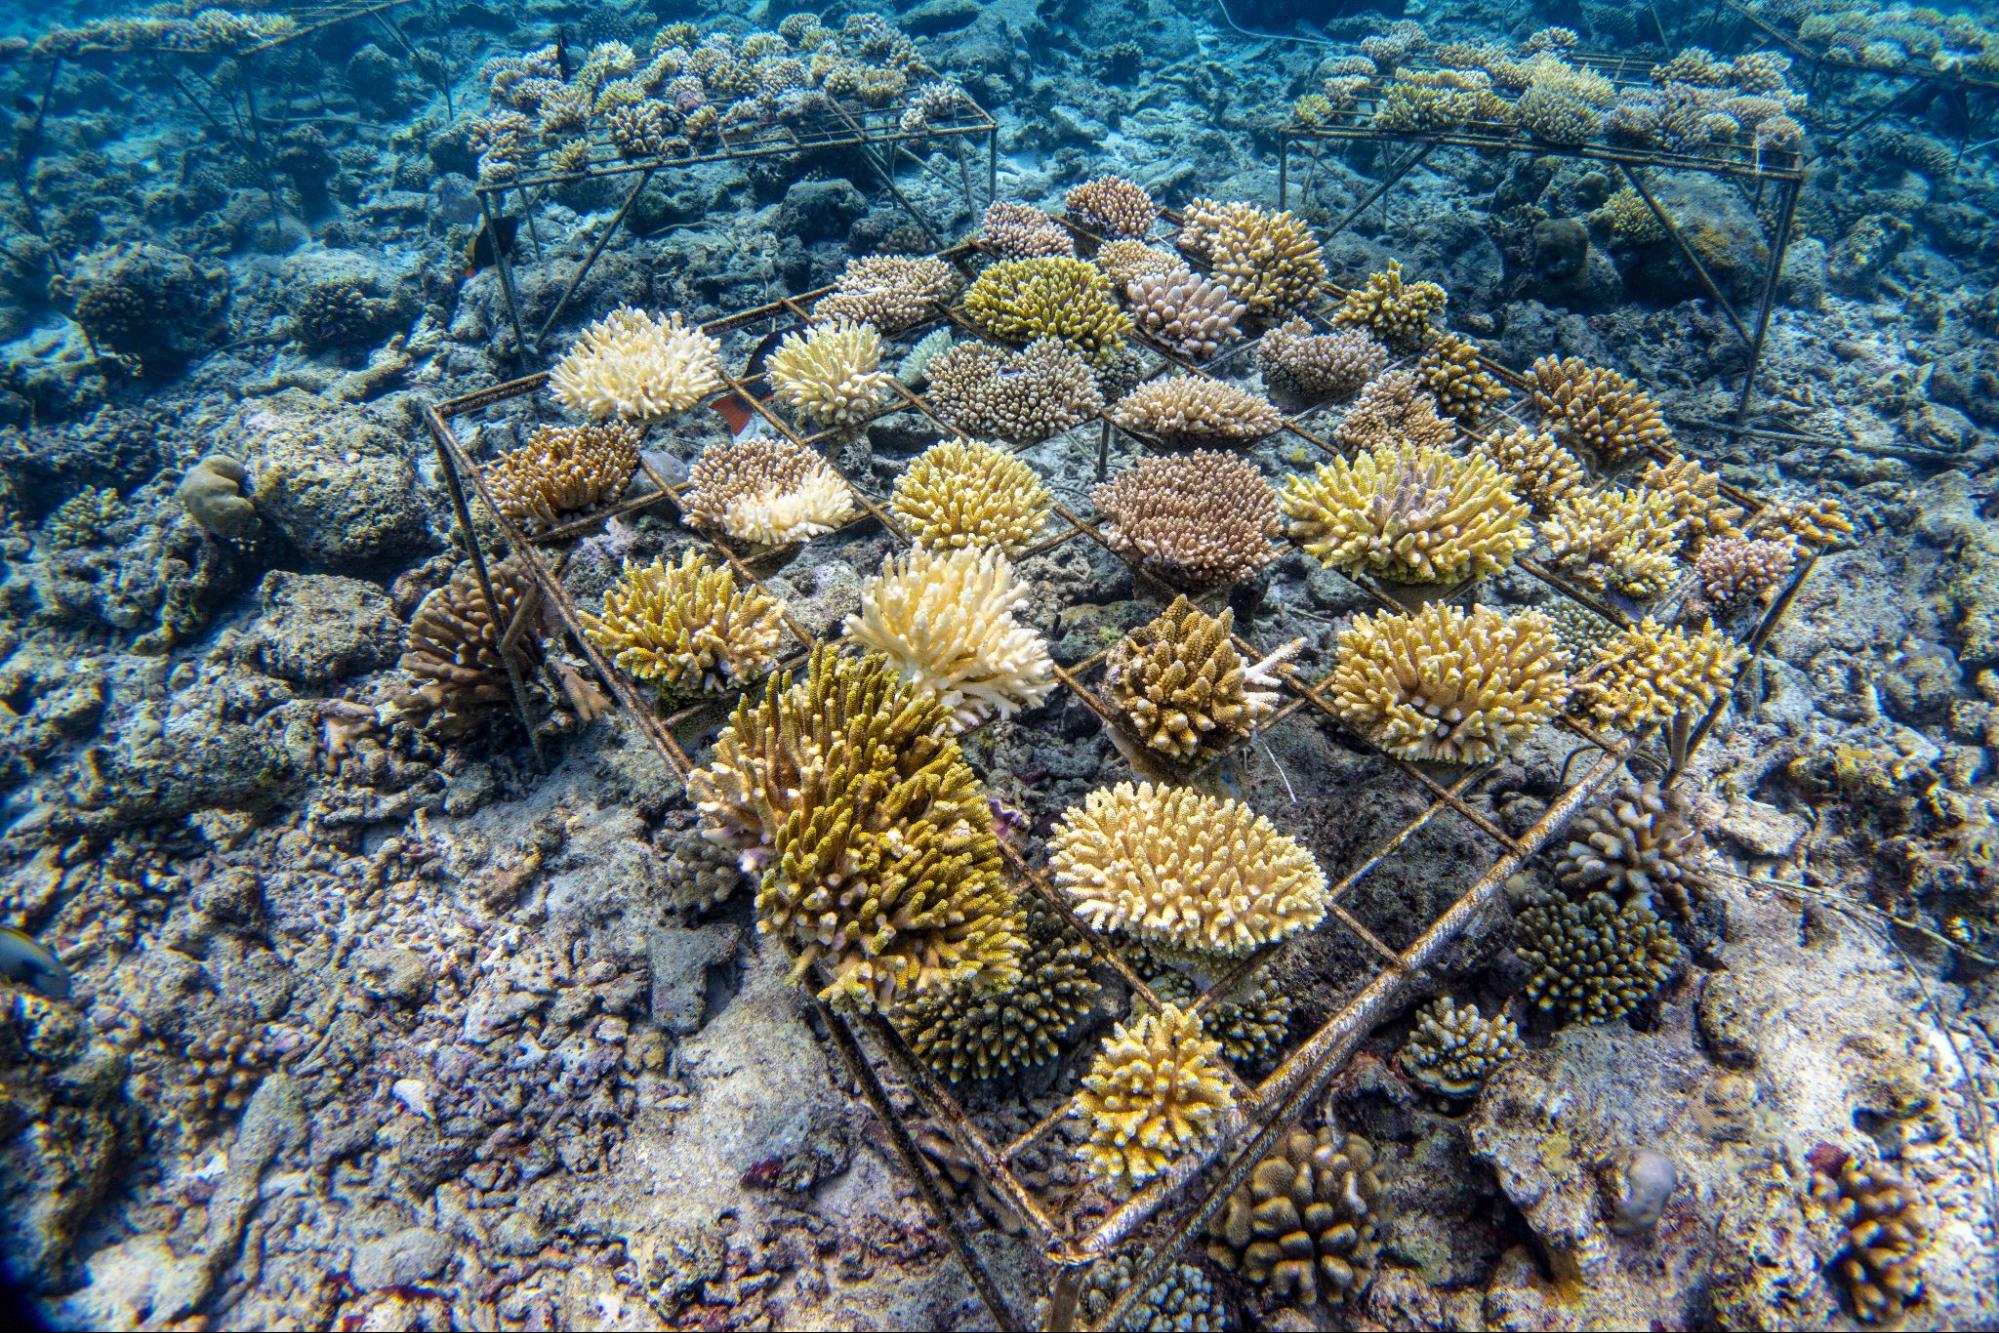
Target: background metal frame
{"points": [[1168, 1210]]}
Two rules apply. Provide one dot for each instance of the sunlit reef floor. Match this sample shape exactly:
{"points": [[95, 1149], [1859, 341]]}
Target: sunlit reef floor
{"points": [[376, 1032]]}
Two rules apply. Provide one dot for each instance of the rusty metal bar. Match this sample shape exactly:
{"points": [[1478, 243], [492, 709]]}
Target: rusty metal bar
{"points": [[589, 262], [1687, 253]]}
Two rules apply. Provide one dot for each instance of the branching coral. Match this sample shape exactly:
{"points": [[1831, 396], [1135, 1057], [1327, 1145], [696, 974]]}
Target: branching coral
{"points": [[1822, 523], [945, 619], [1650, 674], [1112, 207], [1069, 300], [1307, 366], [1592, 959], [984, 1032], [1157, 1093], [1447, 685], [766, 490], [1250, 1023], [1129, 259], [1183, 410], [637, 366], [967, 493], [1449, 369], [1591, 408], [1193, 520], [1621, 540], [688, 626], [1544, 474], [1409, 515], [1181, 686], [846, 796], [454, 648], [1177, 867], [1268, 261], [1022, 396], [1303, 1227], [1695, 495], [1183, 1300], [1393, 409], [564, 469], [1454, 1048], [1639, 845], [1737, 571], [1021, 231], [891, 292], [1396, 312], [1887, 1233], [831, 373], [1185, 314]]}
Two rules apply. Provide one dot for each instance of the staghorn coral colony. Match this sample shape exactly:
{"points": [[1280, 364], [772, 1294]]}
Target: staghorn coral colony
{"points": [[1302, 694]]}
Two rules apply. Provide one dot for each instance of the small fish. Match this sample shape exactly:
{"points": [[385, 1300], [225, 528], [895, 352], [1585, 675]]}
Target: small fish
{"points": [[480, 251], [734, 412], [26, 105], [764, 349], [562, 50], [25, 961]]}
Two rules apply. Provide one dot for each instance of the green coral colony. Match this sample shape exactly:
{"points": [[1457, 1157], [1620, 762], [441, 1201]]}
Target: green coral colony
{"points": [[1143, 661]]}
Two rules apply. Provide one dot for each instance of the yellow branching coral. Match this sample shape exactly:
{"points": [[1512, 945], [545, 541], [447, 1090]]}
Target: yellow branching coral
{"points": [[1544, 474], [832, 373], [563, 470], [1181, 686], [1653, 673], [767, 490], [1069, 300], [1408, 514], [637, 366], [1268, 261], [1588, 407], [871, 838], [967, 493], [1185, 410], [1157, 1093], [1396, 312], [1625, 541], [945, 619], [688, 626], [1113, 207], [1696, 498], [891, 292], [1194, 520], [1448, 685], [1822, 523], [1174, 866], [1449, 368], [1393, 409], [1128, 259], [454, 650]]}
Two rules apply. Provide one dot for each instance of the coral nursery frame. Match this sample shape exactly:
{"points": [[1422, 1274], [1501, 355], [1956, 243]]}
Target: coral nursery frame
{"points": [[1780, 170], [876, 133], [1171, 1209]]}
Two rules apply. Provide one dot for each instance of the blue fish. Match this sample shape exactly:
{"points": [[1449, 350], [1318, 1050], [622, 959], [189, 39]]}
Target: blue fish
{"points": [[25, 961]]}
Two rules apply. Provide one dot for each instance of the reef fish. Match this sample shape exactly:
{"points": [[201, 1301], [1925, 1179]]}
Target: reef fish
{"points": [[489, 243], [25, 961]]}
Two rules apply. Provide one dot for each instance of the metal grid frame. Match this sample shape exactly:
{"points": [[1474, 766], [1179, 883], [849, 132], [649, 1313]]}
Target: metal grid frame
{"points": [[877, 133], [868, 1045], [311, 16], [1751, 170]]}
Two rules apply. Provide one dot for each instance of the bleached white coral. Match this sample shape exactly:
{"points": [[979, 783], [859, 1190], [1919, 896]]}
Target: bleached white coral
{"points": [[945, 618], [637, 366], [832, 373], [767, 490]]}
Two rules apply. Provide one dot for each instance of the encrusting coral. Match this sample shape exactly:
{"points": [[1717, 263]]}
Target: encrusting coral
{"points": [[848, 799], [1448, 685], [1193, 520], [1393, 409], [1173, 866], [1396, 312], [563, 470], [1544, 474], [1588, 407], [1453, 1048], [1183, 410], [454, 648], [637, 366], [1639, 844], [1022, 397], [1185, 314], [1651, 673], [1408, 515], [985, 1032], [1156, 1093], [831, 373], [1268, 261], [766, 490], [688, 626], [1886, 1233], [1307, 366], [1592, 959], [1069, 300], [1021, 231], [1112, 207], [967, 493], [891, 292], [945, 619], [1302, 1227], [1181, 686]]}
